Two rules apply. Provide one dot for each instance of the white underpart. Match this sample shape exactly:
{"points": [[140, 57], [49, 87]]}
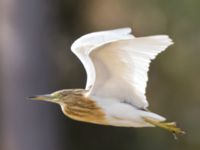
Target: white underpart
{"points": [[117, 63], [122, 114]]}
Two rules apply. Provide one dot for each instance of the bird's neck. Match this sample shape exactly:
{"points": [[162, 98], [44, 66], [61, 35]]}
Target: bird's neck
{"points": [[83, 109]]}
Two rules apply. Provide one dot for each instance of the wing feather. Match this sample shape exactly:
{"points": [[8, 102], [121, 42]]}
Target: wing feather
{"points": [[94, 39], [121, 68], [117, 63], [82, 47]]}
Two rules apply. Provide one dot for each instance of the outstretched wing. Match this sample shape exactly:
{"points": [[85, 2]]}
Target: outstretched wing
{"points": [[117, 63], [82, 47], [121, 68]]}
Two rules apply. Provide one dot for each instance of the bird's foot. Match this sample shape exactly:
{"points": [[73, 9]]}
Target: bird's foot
{"points": [[170, 126]]}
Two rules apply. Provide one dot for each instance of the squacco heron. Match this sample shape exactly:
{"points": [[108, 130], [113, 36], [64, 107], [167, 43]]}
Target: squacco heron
{"points": [[116, 64]]}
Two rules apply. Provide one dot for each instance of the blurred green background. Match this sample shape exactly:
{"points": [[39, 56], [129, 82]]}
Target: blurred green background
{"points": [[35, 58]]}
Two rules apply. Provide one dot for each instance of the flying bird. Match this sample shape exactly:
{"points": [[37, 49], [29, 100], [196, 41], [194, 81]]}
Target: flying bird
{"points": [[116, 63]]}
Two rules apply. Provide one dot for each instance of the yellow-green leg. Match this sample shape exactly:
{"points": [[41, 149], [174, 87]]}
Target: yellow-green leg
{"points": [[170, 126]]}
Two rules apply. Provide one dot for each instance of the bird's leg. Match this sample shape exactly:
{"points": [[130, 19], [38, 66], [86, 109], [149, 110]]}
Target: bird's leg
{"points": [[170, 126]]}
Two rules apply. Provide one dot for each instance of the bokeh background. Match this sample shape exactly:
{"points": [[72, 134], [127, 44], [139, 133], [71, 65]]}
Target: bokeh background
{"points": [[35, 58]]}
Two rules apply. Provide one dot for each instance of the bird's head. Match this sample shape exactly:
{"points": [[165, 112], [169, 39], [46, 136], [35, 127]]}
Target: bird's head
{"points": [[61, 96]]}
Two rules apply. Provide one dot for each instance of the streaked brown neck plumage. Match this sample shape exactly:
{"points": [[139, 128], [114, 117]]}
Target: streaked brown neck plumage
{"points": [[77, 105]]}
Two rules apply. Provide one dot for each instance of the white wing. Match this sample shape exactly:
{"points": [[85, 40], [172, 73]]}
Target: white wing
{"points": [[117, 68], [82, 47], [122, 66], [97, 38]]}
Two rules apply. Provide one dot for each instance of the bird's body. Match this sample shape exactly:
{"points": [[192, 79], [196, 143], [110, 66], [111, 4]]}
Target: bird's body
{"points": [[116, 64], [78, 105]]}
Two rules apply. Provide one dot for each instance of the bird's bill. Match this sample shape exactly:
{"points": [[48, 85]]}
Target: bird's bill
{"points": [[46, 97]]}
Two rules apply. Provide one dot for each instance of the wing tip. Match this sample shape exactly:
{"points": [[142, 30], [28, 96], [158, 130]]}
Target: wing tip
{"points": [[164, 39]]}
